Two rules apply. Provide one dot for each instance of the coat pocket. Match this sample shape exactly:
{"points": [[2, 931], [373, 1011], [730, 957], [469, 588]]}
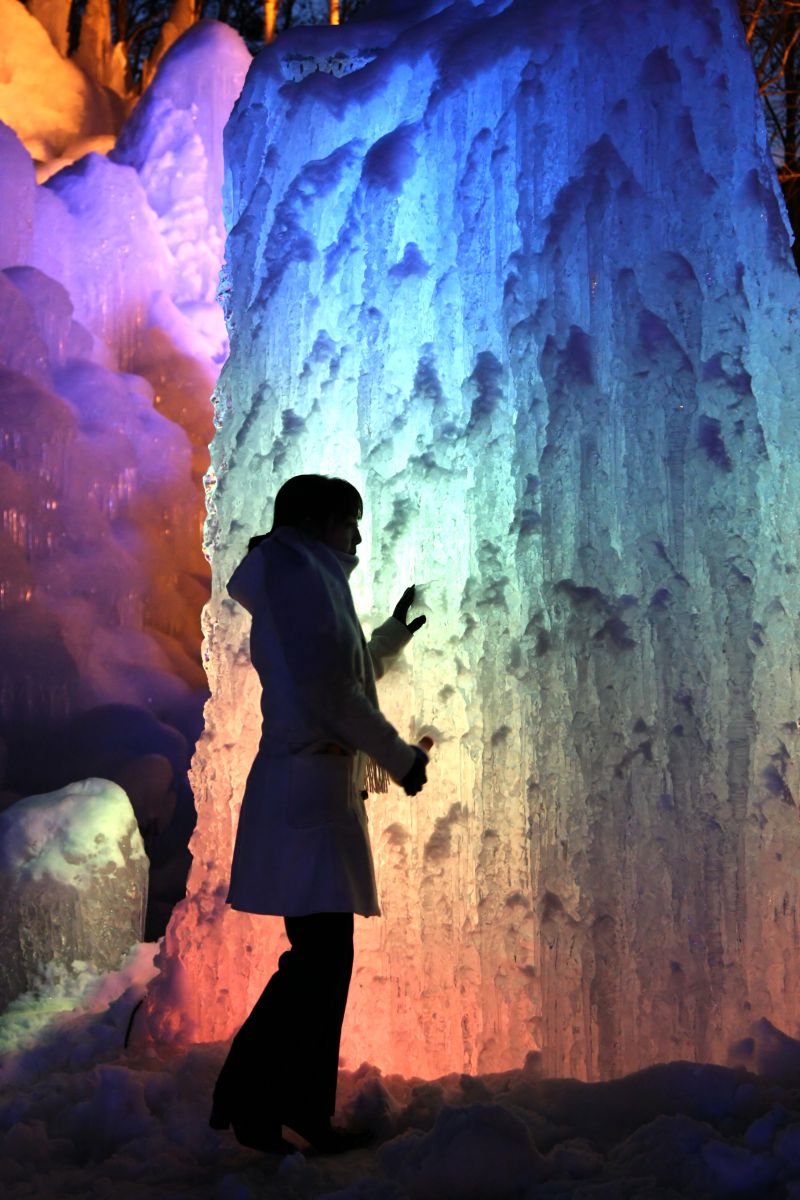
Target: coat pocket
{"points": [[320, 790]]}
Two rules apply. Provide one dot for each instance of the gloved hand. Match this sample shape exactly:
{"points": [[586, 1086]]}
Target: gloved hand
{"points": [[415, 779], [401, 611]]}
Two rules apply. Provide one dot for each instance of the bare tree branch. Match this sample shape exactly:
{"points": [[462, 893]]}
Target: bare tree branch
{"points": [[772, 31]]}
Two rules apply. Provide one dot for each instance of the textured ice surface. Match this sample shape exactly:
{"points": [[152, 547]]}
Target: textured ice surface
{"points": [[90, 473], [46, 98], [522, 273], [53, 15], [174, 140], [73, 883], [110, 346], [103, 58], [110, 257], [17, 183]]}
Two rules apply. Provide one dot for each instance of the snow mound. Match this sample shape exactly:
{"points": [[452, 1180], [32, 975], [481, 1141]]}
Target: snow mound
{"points": [[73, 882], [77, 1110]]}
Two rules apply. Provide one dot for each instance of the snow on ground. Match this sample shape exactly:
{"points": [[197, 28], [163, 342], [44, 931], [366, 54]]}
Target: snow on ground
{"points": [[81, 1115]]}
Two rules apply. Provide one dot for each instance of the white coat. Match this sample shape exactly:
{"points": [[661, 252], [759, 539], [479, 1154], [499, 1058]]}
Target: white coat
{"points": [[302, 843]]}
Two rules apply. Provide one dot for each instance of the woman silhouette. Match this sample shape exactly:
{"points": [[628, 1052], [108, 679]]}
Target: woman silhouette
{"points": [[302, 846]]}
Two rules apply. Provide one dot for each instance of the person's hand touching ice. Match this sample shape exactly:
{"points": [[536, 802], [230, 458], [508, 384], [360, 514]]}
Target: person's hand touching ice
{"points": [[401, 611], [415, 779]]}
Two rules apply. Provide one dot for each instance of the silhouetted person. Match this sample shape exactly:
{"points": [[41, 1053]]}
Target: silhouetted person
{"points": [[302, 846]]}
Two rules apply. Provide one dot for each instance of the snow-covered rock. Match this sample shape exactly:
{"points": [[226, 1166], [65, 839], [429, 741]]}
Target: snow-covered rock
{"points": [[73, 883]]}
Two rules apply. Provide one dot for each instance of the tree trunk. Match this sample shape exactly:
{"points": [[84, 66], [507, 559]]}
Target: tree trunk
{"points": [[790, 173]]}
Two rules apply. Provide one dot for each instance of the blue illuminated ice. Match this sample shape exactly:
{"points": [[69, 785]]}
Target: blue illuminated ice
{"points": [[522, 273]]}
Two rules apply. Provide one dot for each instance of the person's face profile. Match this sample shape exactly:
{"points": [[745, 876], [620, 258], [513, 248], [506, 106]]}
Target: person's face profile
{"points": [[342, 533]]}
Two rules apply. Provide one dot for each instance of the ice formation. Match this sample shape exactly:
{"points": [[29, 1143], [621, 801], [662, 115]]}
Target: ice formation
{"points": [[47, 98], [73, 883], [53, 15], [180, 120], [522, 273], [110, 346]]}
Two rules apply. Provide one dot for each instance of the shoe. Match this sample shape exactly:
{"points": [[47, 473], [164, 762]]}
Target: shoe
{"points": [[326, 1138], [263, 1136]]}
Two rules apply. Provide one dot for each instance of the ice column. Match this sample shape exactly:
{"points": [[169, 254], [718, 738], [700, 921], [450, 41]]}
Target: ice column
{"points": [[522, 273]]}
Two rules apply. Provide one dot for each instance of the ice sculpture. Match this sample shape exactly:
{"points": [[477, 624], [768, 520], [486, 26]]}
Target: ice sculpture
{"points": [[73, 883], [522, 273]]}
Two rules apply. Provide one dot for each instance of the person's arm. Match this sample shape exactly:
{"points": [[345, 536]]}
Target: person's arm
{"points": [[348, 716], [386, 643], [246, 585], [319, 641], [389, 638]]}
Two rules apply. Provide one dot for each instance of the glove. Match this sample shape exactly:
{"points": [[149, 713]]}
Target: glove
{"points": [[415, 779]]}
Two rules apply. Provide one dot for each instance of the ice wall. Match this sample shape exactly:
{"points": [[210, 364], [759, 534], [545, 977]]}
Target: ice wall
{"points": [[522, 273], [110, 345]]}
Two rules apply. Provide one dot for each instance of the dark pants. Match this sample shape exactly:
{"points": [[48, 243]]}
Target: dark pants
{"points": [[284, 1060]]}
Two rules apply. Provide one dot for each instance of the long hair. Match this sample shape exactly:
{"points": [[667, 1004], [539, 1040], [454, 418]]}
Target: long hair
{"points": [[308, 501]]}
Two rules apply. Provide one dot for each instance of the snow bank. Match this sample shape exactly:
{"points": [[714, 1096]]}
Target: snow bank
{"points": [[77, 1111], [73, 883]]}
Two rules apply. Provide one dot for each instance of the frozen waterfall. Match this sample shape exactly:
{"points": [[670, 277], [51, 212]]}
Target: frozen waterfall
{"points": [[521, 273]]}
